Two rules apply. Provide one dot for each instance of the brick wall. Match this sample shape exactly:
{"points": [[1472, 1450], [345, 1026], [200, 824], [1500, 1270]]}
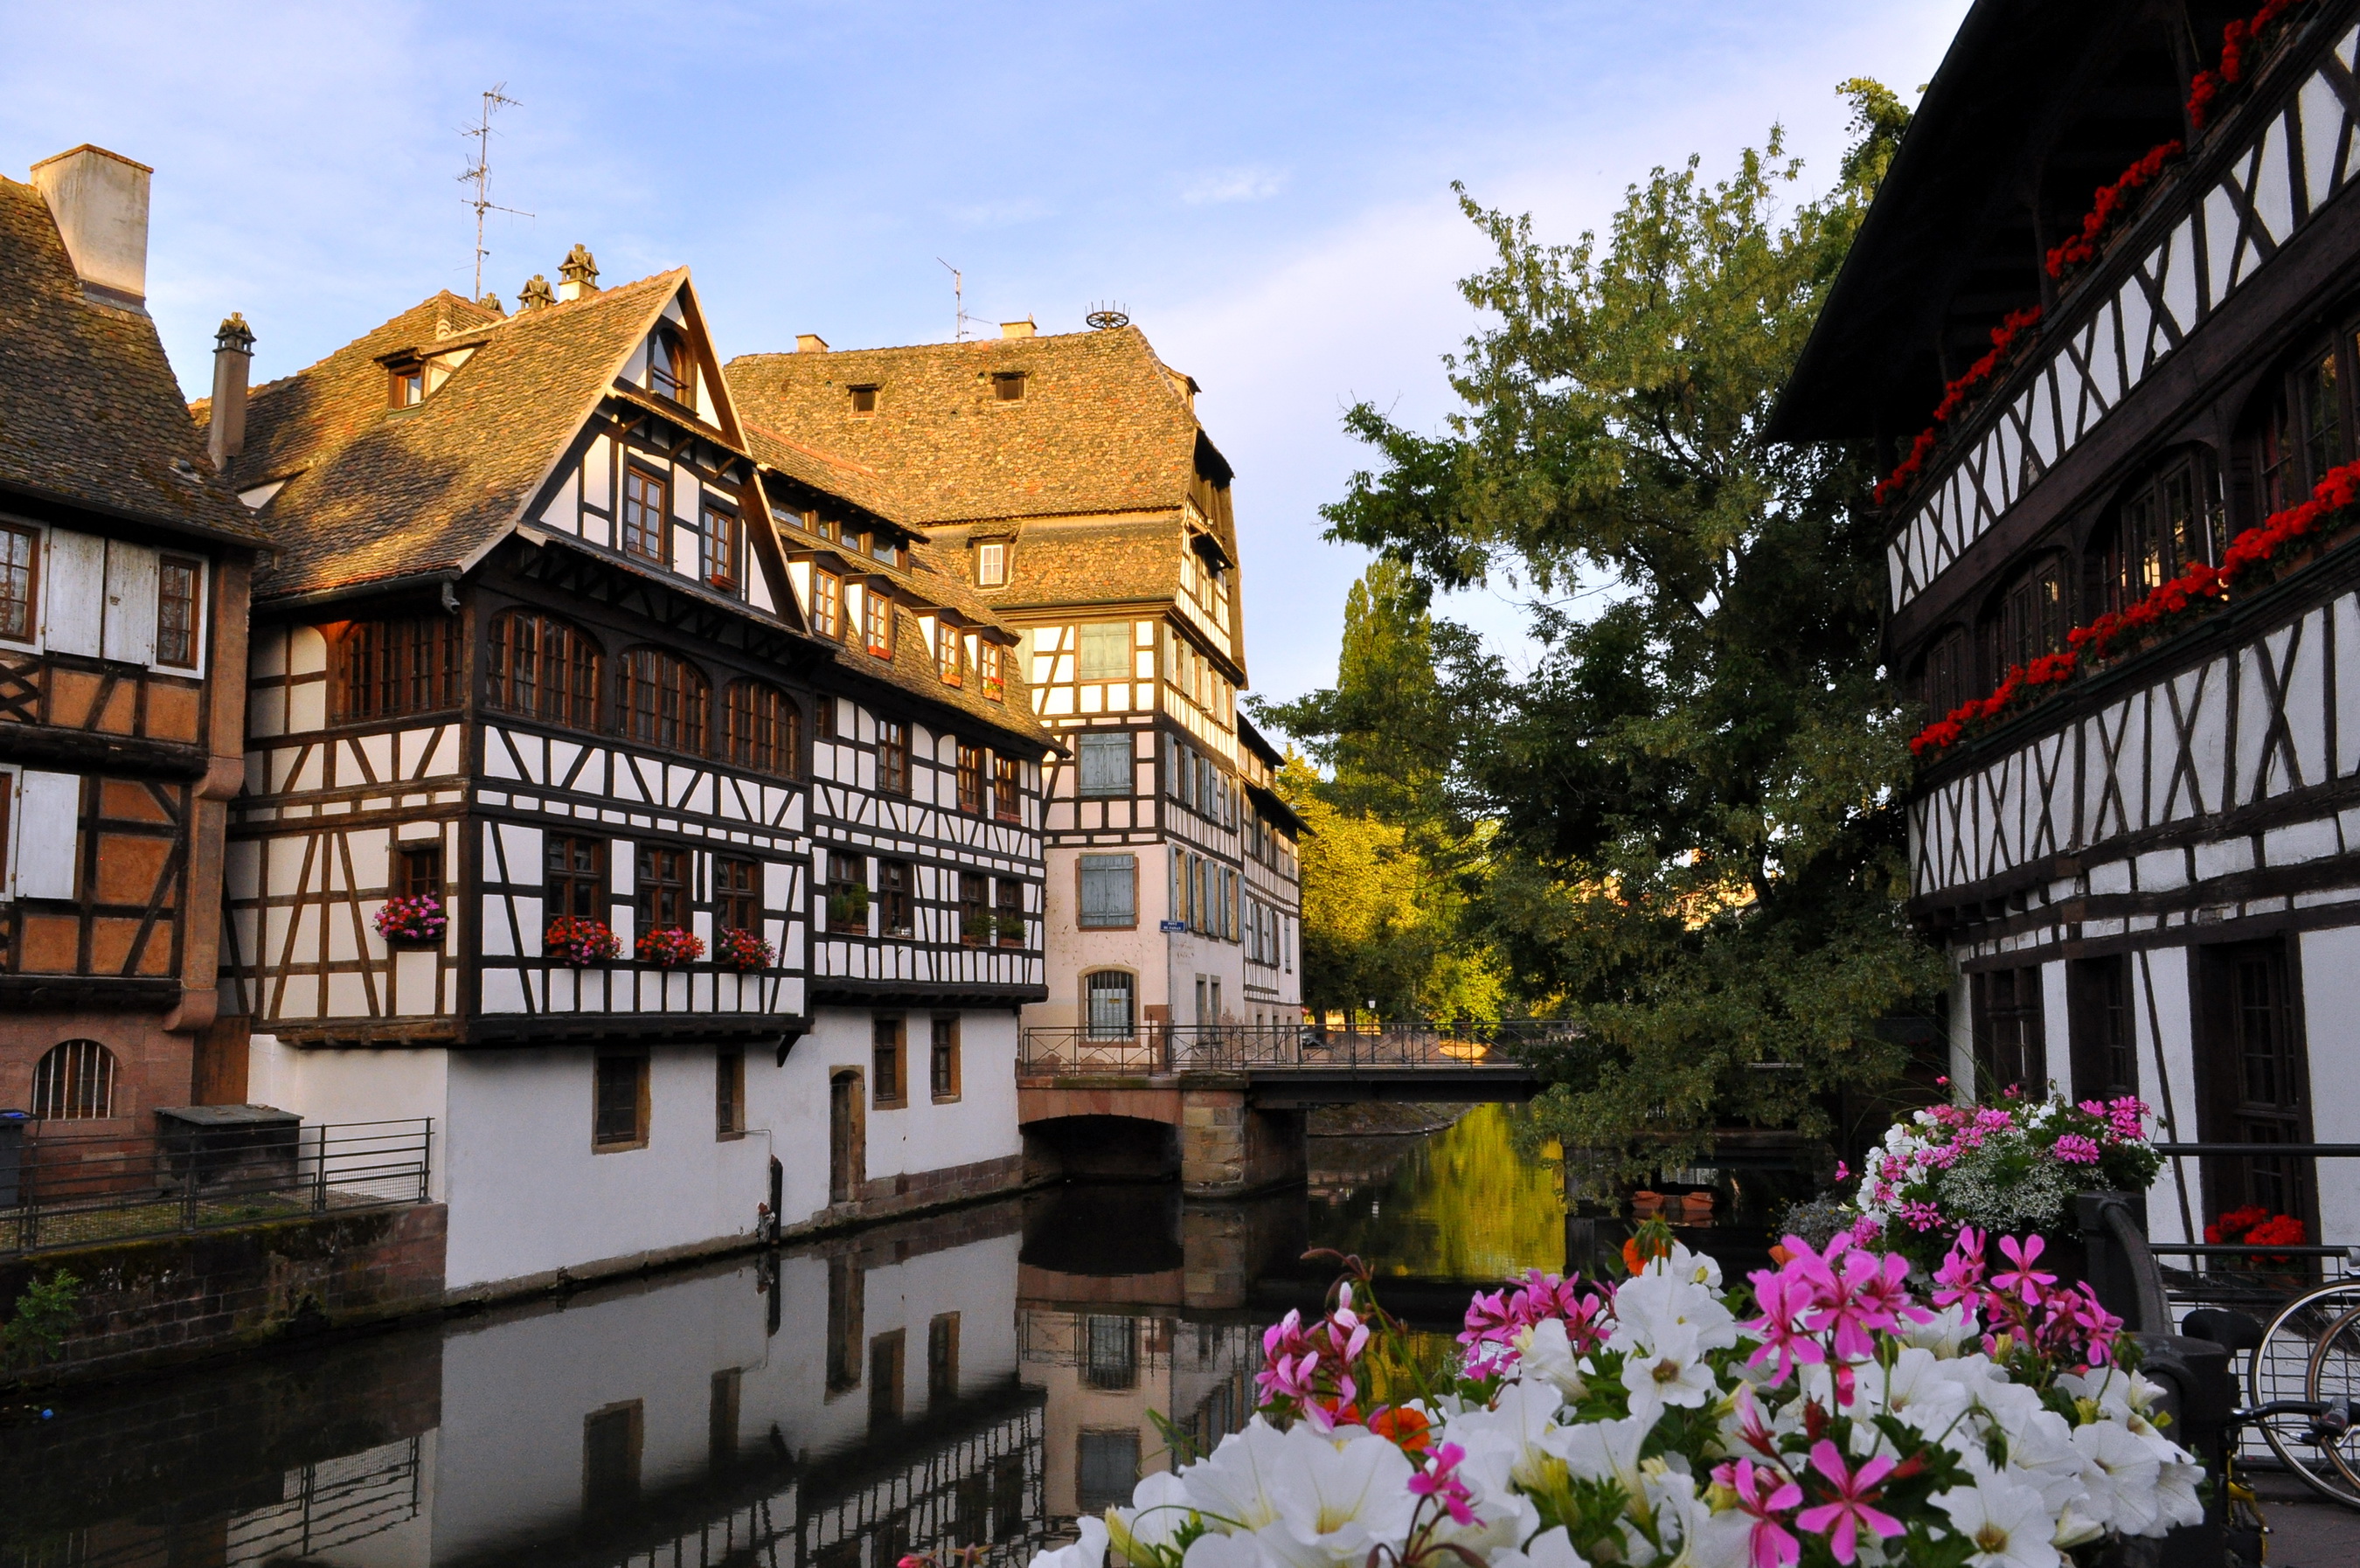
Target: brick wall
{"points": [[145, 1304]]}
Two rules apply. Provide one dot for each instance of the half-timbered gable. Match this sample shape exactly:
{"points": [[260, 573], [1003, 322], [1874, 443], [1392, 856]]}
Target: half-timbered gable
{"points": [[123, 572], [1067, 482], [2141, 855], [551, 778]]}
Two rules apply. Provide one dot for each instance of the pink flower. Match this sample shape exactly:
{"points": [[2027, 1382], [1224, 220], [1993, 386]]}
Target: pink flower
{"points": [[1785, 1298], [1961, 1278], [1852, 1492], [2021, 1280], [1441, 1483], [2073, 1148], [1769, 1543]]}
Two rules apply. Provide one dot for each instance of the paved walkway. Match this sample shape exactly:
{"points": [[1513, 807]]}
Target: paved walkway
{"points": [[2305, 1530]]}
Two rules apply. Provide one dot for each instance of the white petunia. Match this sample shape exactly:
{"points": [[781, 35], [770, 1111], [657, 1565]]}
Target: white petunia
{"points": [[2006, 1526], [2175, 1494], [2119, 1473], [1159, 1509], [1545, 1351], [1088, 1552], [1550, 1549], [1672, 1372], [1606, 1451], [1947, 1335], [1651, 1309], [1233, 1487], [1214, 1549], [1336, 1499]]}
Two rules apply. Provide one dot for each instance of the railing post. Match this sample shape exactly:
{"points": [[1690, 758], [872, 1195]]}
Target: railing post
{"points": [[319, 1174], [426, 1162]]}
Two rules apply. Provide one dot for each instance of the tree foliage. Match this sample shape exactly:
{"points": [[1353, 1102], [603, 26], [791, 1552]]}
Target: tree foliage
{"points": [[1693, 844]]}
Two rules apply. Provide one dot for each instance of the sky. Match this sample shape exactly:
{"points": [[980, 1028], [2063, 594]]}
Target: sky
{"points": [[1265, 188]]}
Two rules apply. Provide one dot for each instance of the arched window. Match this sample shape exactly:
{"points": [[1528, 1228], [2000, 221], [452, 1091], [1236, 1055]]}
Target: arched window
{"points": [[2298, 430], [763, 728], [2031, 613], [384, 668], [661, 700], [543, 667], [2164, 524], [1947, 676], [74, 1082], [1107, 1003]]}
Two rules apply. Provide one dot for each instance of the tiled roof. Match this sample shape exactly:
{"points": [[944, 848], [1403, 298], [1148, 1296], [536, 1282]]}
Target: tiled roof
{"points": [[1101, 427], [1054, 564], [90, 414], [375, 493]]}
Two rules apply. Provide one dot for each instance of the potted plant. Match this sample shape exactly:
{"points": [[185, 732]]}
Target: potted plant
{"points": [[668, 947], [975, 928], [847, 909], [1012, 930], [741, 950], [414, 922], [579, 942]]}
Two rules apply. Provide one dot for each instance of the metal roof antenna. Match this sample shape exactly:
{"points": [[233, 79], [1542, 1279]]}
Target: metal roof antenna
{"points": [[958, 304], [479, 171]]}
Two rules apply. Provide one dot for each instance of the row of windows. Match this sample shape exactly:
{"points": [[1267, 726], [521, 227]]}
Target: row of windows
{"points": [[2182, 511], [575, 883], [877, 622], [992, 910], [179, 597], [1198, 782], [1205, 894]]}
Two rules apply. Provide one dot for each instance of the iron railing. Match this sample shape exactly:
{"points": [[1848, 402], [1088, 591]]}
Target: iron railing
{"points": [[59, 1190], [1156, 1048]]}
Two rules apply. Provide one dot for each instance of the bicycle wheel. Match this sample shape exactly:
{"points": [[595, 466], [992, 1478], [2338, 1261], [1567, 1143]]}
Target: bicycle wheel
{"points": [[2335, 1379], [2281, 1369]]}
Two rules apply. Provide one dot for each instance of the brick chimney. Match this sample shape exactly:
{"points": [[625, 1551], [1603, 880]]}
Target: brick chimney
{"points": [[809, 342], [577, 274], [100, 202], [233, 360]]}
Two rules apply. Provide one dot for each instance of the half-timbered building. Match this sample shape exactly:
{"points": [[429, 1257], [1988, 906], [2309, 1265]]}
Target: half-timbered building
{"points": [[124, 570], [594, 810], [1069, 480], [2144, 853]]}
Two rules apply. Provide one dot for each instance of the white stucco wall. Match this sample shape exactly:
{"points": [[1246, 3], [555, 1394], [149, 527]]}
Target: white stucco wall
{"points": [[2331, 1004]]}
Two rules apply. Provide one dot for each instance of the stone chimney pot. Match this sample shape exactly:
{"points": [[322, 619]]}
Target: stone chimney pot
{"points": [[100, 202], [1023, 329], [577, 274], [809, 342], [535, 294], [233, 364]]}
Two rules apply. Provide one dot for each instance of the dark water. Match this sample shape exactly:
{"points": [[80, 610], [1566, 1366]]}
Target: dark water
{"points": [[972, 1379]]}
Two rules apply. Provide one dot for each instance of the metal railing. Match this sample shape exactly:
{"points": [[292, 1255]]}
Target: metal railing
{"points": [[2208, 1272], [1156, 1048], [63, 1189]]}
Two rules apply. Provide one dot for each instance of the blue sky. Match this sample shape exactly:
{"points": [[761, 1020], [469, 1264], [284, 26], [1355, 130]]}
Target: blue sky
{"points": [[1266, 188]]}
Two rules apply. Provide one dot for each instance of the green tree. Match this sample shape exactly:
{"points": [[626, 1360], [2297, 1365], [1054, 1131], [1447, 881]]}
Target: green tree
{"points": [[1695, 850]]}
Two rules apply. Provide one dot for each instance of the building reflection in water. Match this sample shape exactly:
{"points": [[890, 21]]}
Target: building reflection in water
{"points": [[920, 1387]]}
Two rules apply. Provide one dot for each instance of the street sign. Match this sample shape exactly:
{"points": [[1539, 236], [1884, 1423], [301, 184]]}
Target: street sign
{"points": [[1168, 927]]}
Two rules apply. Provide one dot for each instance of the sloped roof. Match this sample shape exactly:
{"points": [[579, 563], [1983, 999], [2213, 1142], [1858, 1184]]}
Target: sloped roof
{"points": [[1101, 427], [90, 413], [1056, 564], [375, 493]]}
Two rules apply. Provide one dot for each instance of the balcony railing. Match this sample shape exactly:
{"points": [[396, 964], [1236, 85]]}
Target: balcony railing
{"points": [[63, 1189], [1155, 1048]]}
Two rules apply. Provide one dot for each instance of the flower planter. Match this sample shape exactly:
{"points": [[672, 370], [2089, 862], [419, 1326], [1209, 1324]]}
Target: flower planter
{"points": [[741, 952], [668, 947], [415, 921], [580, 944]]}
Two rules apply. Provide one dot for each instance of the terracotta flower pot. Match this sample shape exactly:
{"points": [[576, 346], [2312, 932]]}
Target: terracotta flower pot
{"points": [[1644, 1201], [1697, 1205]]}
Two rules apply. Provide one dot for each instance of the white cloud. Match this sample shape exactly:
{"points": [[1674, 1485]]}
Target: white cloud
{"points": [[1224, 185]]}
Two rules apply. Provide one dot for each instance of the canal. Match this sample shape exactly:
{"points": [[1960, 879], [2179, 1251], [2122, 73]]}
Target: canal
{"points": [[974, 1378]]}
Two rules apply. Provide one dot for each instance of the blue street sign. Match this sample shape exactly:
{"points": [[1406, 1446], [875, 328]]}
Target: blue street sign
{"points": [[1171, 926]]}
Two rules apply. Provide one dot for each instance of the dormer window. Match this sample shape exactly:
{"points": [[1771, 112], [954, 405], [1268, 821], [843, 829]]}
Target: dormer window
{"points": [[721, 545], [408, 385], [1008, 386], [827, 604], [864, 400], [991, 564], [671, 372], [887, 548], [877, 623]]}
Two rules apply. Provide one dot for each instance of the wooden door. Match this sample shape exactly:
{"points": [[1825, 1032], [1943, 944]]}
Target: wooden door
{"points": [[845, 1153]]}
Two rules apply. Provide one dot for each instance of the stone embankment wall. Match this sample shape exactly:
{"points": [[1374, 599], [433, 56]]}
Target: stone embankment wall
{"points": [[167, 1299]]}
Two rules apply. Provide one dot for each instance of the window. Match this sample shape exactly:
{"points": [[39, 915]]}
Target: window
{"points": [[612, 1439], [1105, 651], [661, 889], [886, 548], [847, 892], [877, 623], [729, 1093], [621, 1111], [20, 574], [970, 778], [991, 564], [721, 548], [542, 667], [1110, 1352], [1008, 386], [864, 400], [644, 511], [179, 581], [2031, 616], [736, 894], [1106, 1469], [1105, 764], [575, 880], [885, 1356], [893, 879], [2166, 523], [2301, 435], [950, 645], [763, 728], [418, 871], [1106, 1003], [892, 756], [1011, 920], [1109, 890], [942, 1360], [406, 385], [74, 1082], [975, 918], [885, 1064], [1005, 805], [942, 1069], [2098, 997], [2253, 1081], [991, 670], [847, 1294], [662, 699], [825, 717], [671, 371], [387, 667], [1948, 678], [827, 604], [2009, 1048]]}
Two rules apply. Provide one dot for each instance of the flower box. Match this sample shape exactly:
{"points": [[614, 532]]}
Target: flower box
{"points": [[581, 943], [668, 947], [415, 921], [1012, 930], [742, 951]]}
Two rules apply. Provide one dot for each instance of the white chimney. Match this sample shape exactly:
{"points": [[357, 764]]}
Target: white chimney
{"points": [[809, 342], [1023, 329], [100, 202], [233, 362]]}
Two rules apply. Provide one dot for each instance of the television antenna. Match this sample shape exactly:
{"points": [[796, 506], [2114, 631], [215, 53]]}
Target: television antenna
{"points": [[958, 304], [479, 171]]}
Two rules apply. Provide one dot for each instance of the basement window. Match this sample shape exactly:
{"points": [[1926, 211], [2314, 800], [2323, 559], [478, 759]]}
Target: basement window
{"points": [[864, 400], [1008, 386]]}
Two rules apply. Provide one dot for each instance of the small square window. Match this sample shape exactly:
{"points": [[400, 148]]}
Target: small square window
{"points": [[1008, 386], [991, 565], [419, 872], [409, 386], [864, 400], [1104, 764]]}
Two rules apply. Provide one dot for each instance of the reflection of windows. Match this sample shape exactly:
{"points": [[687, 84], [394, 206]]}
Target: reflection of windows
{"points": [[1110, 1352], [543, 667], [1109, 891], [721, 1417], [1105, 651], [885, 1358], [74, 1082], [845, 1298], [1106, 1469], [1107, 999], [20, 557], [1104, 764], [942, 1360], [612, 1439], [178, 582]]}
